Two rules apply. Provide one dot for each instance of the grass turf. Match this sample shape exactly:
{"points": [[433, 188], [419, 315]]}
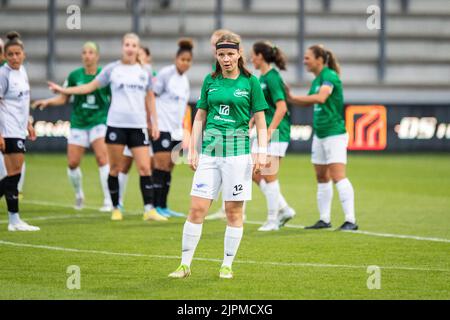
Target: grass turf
{"points": [[395, 194]]}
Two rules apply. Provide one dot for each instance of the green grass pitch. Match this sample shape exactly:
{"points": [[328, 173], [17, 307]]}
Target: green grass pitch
{"points": [[396, 196]]}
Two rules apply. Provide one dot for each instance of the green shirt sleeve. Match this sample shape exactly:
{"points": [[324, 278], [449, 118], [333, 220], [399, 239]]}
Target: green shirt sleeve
{"points": [[202, 102], [329, 79], [258, 102], [276, 89]]}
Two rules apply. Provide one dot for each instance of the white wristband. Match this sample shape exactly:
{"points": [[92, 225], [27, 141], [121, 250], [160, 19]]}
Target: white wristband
{"points": [[262, 150]]}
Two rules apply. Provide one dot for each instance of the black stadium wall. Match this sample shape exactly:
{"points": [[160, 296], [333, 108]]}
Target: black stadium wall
{"points": [[372, 128]]}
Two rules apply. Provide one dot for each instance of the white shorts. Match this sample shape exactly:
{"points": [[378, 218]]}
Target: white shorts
{"points": [[127, 151], [85, 137], [330, 149], [231, 175], [276, 149]]}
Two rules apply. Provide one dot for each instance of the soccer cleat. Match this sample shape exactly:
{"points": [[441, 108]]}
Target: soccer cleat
{"points": [[319, 225], [183, 271], [166, 212], [270, 225], [225, 272], [162, 212], [22, 226], [220, 214], [285, 215], [79, 203], [154, 216], [348, 226], [116, 215], [107, 207]]}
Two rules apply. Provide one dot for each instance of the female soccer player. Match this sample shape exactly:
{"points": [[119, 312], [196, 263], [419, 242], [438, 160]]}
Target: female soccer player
{"points": [[14, 123], [228, 97], [329, 147], [278, 132], [3, 172], [87, 124], [131, 113], [172, 94], [145, 59], [215, 36]]}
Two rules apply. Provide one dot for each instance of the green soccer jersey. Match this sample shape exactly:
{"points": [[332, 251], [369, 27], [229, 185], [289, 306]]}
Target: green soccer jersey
{"points": [[229, 104], [329, 117], [2, 62], [88, 110], [273, 88]]}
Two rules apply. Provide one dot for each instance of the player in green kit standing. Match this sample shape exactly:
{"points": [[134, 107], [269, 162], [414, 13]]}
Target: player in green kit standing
{"points": [[228, 97], [87, 123], [279, 132], [329, 147]]}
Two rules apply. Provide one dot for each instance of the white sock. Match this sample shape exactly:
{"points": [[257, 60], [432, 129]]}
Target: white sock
{"points": [[272, 196], [14, 218], [76, 178], [104, 173], [191, 236], [262, 186], [324, 199], [282, 203], [22, 178], [123, 180], [347, 197], [233, 236], [3, 172]]}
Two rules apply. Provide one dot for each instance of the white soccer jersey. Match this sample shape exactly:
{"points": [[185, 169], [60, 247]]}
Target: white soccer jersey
{"points": [[172, 90], [129, 86], [14, 102]]}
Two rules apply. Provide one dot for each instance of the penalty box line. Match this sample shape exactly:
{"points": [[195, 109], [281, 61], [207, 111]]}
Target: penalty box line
{"points": [[261, 263], [361, 232]]}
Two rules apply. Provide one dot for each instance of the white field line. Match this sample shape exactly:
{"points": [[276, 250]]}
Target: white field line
{"points": [[263, 263], [99, 215]]}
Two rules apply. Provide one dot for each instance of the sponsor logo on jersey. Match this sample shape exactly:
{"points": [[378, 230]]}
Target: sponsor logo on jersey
{"points": [[200, 185], [239, 93], [224, 110]]}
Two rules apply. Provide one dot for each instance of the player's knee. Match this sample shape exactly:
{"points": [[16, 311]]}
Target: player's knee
{"points": [[114, 169], [73, 164], [102, 160], [144, 169], [337, 177], [322, 178], [234, 215], [197, 213]]}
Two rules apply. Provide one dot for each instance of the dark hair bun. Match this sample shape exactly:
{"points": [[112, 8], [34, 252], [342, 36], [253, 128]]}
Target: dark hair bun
{"points": [[13, 35], [186, 44]]}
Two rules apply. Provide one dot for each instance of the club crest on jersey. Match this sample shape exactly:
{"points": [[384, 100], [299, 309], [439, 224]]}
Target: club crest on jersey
{"points": [[239, 93], [165, 143], [263, 86]]}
